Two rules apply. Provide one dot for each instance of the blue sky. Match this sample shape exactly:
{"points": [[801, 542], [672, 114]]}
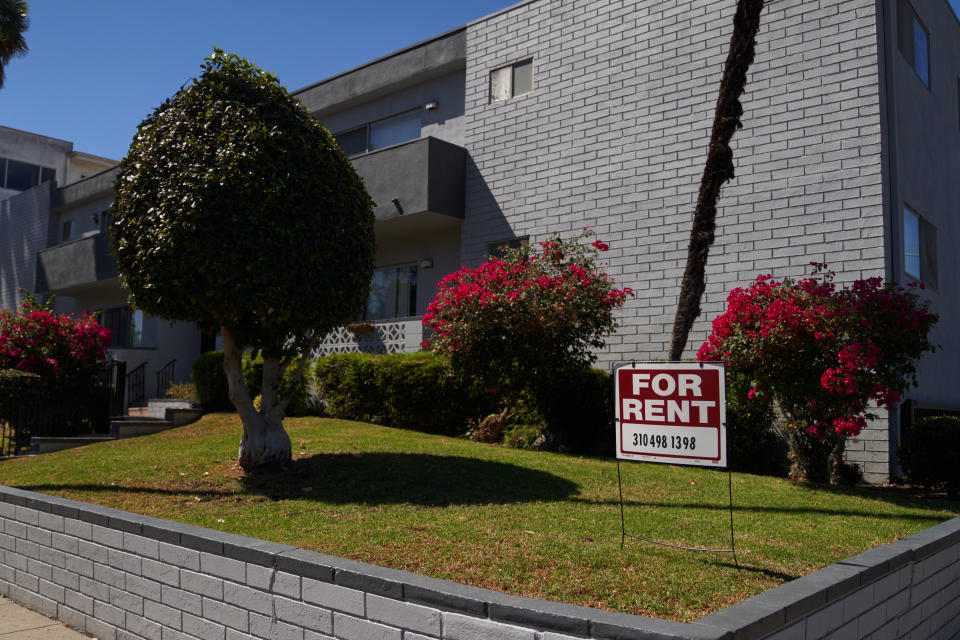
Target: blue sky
{"points": [[96, 69]]}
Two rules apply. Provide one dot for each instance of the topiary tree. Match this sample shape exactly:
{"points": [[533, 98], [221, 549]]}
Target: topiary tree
{"points": [[236, 210]]}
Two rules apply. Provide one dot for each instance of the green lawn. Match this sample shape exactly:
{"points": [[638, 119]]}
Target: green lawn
{"points": [[535, 524]]}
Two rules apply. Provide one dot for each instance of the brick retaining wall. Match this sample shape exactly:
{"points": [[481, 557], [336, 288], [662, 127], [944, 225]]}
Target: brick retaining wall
{"points": [[121, 576]]}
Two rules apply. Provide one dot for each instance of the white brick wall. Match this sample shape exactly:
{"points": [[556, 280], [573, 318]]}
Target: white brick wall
{"points": [[120, 576], [614, 137]]}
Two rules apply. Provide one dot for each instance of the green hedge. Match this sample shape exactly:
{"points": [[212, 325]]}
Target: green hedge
{"points": [[408, 391], [419, 391], [928, 454], [753, 444], [211, 382]]}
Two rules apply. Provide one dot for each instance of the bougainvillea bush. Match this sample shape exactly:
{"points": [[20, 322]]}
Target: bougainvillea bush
{"points": [[523, 321], [36, 340], [825, 354], [529, 311]]}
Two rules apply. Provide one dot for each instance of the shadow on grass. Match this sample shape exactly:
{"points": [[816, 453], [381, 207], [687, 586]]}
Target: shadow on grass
{"points": [[378, 478], [740, 508], [422, 479]]}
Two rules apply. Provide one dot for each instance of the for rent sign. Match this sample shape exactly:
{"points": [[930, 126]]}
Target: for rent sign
{"points": [[671, 412]]}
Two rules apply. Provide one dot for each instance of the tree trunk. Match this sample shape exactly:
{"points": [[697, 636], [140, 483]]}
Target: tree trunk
{"points": [[264, 440], [718, 169]]}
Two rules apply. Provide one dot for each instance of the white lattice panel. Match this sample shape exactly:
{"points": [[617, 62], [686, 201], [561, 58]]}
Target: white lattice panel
{"points": [[389, 337]]}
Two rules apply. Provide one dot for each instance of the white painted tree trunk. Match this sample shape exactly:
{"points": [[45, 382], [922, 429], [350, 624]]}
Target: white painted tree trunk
{"points": [[264, 439]]}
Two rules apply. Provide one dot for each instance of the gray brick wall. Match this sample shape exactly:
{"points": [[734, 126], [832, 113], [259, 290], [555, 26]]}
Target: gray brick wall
{"points": [[117, 575], [614, 137], [23, 232]]}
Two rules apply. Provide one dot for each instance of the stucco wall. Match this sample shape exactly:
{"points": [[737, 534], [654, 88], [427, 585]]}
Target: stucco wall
{"points": [[118, 575], [24, 220], [925, 136], [445, 122]]}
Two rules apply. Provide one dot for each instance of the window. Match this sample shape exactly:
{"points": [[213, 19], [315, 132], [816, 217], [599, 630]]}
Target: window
{"points": [[66, 232], [23, 175], [127, 327], [381, 133], [914, 41], [513, 80], [497, 249], [393, 293], [919, 248]]}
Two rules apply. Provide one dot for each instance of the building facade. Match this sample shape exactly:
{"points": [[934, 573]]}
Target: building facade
{"points": [[597, 113], [554, 115], [54, 242]]}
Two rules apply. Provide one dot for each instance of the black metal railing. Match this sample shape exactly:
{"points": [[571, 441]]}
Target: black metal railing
{"points": [[165, 377], [65, 407], [136, 386]]}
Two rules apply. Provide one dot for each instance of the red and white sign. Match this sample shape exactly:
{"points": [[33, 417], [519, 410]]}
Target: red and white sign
{"points": [[673, 412]]}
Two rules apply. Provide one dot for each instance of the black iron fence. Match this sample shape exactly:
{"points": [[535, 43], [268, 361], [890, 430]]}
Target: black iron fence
{"points": [[137, 386], [165, 378], [67, 407]]}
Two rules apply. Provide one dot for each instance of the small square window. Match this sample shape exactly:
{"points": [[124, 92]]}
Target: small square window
{"points": [[919, 248], [914, 41], [513, 80], [499, 248]]}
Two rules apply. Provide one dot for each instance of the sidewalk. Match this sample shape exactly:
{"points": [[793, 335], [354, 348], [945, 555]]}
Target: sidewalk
{"points": [[20, 623]]}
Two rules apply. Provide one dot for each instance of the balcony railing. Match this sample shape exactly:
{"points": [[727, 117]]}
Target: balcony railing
{"points": [[392, 336], [77, 263]]}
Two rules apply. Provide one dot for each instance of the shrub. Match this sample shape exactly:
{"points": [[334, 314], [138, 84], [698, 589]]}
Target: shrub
{"points": [[577, 410], [528, 315], [528, 324], [211, 383], [753, 443], [823, 353], [36, 340], [183, 391], [407, 391], [928, 452]]}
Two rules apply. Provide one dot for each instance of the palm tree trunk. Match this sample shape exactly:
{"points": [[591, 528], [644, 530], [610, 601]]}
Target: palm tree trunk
{"points": [[718, 169]]}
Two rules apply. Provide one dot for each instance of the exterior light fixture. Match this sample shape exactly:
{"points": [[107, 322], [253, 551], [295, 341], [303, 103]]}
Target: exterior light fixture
{"points": [[432, 105], [426, 263]]}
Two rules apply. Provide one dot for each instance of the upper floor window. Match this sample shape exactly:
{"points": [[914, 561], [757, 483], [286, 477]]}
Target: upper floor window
{"points": [[381, 133], [23, 175], [513, 80], [66, 231], [499, 248], [913, 40], [919, 248]]}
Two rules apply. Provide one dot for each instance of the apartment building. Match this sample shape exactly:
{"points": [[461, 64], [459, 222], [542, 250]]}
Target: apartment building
{"points": [[554, 115], [563, 114], [54, 241]]}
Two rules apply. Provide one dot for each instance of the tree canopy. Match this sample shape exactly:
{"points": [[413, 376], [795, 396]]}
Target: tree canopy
{"points": [[13, 24], [235, 209]]}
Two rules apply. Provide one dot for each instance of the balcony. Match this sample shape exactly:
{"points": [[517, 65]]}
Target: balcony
{"points": [[422, 178], [77, 266]]}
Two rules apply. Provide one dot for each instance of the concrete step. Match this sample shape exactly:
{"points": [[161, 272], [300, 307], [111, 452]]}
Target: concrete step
{"points": [[48, 444], [131, 427], [179, 412]]}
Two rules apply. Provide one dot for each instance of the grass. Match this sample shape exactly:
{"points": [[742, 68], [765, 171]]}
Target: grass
{"points": [[534, 524]]}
